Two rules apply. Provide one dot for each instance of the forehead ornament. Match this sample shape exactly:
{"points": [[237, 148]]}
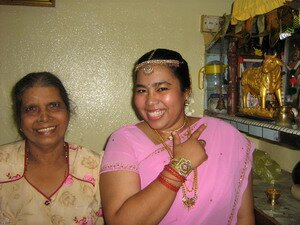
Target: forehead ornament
{"points": [[148, 65]]}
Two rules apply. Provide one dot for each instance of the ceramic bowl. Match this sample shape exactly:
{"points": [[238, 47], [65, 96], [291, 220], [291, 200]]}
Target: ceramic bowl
{"points": [[295, 190]]}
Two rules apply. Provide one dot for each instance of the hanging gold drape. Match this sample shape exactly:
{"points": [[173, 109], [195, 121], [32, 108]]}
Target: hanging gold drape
{"points": [[245, 9]]}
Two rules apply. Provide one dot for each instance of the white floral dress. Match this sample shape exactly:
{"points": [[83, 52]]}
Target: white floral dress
{"points": [[77, 200]]}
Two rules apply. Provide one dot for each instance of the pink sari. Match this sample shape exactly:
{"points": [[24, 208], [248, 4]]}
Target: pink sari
{"points": [[222, 179]]}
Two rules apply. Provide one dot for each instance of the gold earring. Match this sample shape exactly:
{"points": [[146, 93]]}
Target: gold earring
{"points": [[186, 102]]}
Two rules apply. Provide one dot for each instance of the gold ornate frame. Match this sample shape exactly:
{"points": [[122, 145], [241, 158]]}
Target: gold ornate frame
{"points": [[45, 3]]}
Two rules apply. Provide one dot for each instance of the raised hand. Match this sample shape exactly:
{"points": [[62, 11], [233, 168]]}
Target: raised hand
{"points": [[192, 149]]}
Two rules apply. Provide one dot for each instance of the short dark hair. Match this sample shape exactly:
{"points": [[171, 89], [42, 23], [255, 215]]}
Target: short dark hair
{"points": [[44, 79], [181, 72]]}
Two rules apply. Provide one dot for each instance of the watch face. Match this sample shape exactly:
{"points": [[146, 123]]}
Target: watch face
{"points": [[183, 166]]}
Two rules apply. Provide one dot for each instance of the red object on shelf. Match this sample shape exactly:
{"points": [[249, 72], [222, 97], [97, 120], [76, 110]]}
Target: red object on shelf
{"points": [[240, 60], [293, 81]]}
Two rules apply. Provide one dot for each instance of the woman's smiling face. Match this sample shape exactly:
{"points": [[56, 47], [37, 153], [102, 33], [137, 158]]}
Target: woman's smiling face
{"points": [[158, 98], [44, 116]]}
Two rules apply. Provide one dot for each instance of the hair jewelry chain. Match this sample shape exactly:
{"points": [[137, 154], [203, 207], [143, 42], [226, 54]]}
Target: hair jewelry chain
{"points": [[148, 65], [148, 68]]}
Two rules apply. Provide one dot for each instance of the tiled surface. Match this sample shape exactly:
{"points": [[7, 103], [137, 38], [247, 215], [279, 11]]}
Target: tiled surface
{"points": [[263, 129], [268, 125], [287, 211]]}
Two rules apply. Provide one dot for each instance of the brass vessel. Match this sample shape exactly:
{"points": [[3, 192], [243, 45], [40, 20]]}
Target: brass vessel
{"points": [[273, 195], [284, 116]]}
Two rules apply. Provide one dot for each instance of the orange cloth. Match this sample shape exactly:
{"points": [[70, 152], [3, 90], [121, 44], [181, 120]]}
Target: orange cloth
{"points": [[245, 9]]}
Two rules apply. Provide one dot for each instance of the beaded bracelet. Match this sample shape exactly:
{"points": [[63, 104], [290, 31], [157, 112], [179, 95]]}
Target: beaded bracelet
{"points": [[167, 184], [175, 173]]}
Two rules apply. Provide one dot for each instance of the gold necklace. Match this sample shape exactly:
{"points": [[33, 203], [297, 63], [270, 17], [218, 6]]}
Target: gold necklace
{"points": [[188, 202], [169, 150], [170, 132], [66, 148]]}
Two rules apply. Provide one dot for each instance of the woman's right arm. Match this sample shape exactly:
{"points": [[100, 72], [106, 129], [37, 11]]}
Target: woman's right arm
{"points": [[123, 200], [125, 203]]}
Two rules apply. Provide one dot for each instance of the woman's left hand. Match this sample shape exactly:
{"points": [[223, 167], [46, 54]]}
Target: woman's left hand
{"points": [[192, 149]]}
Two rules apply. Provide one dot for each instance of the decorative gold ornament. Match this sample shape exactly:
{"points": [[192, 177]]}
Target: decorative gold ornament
{"points": [[261, 81], [182, 165], [148, 65]]}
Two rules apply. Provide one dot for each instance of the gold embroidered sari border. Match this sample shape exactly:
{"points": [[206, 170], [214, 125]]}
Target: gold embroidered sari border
{"points": [[241, 179], [118, 166]]}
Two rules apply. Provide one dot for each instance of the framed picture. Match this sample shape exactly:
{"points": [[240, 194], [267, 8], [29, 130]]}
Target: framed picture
{"points": [[245, 62], [46, 3], [292, 81]]}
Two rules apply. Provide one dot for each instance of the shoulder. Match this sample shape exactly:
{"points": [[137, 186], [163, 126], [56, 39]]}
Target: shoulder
{"points": [[77, 151], [227, 134], [12, 146], [218, 129], [84, 163], [9, 151], [125, 129], [11, 160], [213, 123], [125, 133]]}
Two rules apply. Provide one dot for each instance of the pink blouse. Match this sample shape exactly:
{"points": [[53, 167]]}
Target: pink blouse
{"points": [[222, 179]]}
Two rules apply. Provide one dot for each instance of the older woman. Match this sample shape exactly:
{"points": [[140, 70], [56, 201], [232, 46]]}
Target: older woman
{"points": [[170, 168], [44, 179]]}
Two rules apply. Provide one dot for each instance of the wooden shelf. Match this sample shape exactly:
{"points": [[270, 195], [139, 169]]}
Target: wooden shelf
{"points": [[261, 129]]}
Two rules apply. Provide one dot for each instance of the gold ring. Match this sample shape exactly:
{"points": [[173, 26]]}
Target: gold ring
{"points": [[202, 142]]}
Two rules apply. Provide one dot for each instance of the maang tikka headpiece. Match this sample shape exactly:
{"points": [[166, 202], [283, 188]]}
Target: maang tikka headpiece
{"points": [[147, 65]]}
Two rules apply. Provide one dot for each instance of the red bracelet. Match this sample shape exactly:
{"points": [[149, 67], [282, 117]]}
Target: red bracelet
{"points": [[175, 173], [167, 184], [169, 178]]}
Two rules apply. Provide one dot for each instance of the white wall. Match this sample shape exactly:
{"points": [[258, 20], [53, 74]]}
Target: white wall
{"points": [[92, 45], [286, 157]]}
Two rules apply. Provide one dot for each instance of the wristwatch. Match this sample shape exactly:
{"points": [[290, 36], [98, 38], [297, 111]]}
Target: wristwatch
{"points": [[183, 166]]}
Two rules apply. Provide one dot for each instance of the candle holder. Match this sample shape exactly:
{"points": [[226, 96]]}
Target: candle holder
{"points": [[273, 195]]}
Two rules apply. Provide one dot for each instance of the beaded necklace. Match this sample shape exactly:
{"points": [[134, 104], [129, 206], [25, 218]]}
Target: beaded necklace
{"points": [[188, 202], [66, 149]]}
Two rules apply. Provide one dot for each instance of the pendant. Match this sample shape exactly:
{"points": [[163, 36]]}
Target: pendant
{"points": [[170, 138], [189, 202]]}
